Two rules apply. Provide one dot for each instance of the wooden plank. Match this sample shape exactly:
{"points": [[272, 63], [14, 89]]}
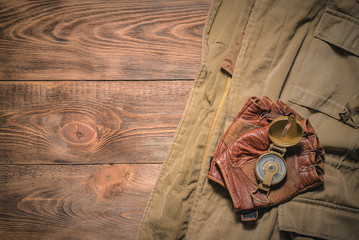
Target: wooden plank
{"points": [[89, 122], [100, 39], [74, 201]]}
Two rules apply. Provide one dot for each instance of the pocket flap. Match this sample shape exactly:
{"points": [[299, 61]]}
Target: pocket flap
{"points": [[340, 30], [319, 219], [328, 79]]}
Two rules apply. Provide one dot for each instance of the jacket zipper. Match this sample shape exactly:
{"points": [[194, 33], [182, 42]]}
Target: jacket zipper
{"points": [[220, 105], [224, 95]]}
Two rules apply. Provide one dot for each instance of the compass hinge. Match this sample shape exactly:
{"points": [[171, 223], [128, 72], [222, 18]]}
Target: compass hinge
{"points": [[275, 148]]}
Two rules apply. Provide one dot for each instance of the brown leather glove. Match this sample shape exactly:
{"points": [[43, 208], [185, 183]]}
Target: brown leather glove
{"points": [[255, 113], [249, 118], [235, 164]]}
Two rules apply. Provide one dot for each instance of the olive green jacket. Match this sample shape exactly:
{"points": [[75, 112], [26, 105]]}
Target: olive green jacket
{"points": [[304, 52]]}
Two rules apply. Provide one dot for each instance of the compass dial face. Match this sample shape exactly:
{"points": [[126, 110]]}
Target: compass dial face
{"points": [[271, 157]]}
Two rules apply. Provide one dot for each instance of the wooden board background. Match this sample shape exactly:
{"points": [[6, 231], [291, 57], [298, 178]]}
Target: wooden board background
{"points": [[91, 93]]}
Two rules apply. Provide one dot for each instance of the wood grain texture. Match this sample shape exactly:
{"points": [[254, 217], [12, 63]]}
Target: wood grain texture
{"points": [[89, 122], [74, 201], [78, 159], [100, 39]]}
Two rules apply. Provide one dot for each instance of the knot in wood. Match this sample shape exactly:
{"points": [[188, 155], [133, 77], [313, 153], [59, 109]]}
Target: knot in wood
{"points": [[109, 181], [78, 133]]}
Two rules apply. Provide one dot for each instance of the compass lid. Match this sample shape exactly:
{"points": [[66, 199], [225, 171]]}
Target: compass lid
{"points": [[285, 131]]}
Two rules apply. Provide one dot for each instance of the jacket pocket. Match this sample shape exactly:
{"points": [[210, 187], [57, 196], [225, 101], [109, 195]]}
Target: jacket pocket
{"points": [[328, 80], [308, 219]]}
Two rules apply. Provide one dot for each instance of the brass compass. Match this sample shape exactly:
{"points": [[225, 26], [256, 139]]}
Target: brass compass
{"points": [[271, 167]]}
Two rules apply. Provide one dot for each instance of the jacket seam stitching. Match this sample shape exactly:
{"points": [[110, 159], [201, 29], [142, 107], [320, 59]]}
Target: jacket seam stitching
{"points": [[325, 204]]}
